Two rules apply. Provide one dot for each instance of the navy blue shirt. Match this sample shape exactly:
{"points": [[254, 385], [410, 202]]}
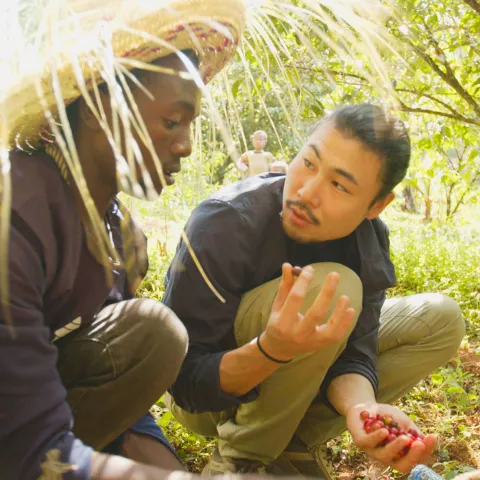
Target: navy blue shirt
{"points": [[238, 238]]}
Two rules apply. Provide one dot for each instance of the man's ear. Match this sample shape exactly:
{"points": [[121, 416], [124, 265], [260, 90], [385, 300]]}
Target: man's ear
{"points": [[379, 206]]}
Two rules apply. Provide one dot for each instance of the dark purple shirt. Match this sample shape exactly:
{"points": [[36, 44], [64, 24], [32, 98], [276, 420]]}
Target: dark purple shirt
{"points": [[53, 280]]}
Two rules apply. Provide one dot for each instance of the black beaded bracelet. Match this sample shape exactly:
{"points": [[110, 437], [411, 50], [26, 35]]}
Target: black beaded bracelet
{"points": [[273, 359]]}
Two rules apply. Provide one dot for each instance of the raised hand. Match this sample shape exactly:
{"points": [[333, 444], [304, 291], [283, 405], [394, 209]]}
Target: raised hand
{"points": [[288, 332]]}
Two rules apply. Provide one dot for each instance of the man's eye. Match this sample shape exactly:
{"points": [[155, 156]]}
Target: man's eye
{"points": [[308, 163], [170, 124], [339, 187]]}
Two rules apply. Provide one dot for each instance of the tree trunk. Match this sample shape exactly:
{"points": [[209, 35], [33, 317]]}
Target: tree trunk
{"points": [[219, 174], [408, 200], [428, 209]]}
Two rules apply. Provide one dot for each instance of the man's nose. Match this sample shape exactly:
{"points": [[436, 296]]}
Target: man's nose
{"points": [[311, 191], [182, 146]]}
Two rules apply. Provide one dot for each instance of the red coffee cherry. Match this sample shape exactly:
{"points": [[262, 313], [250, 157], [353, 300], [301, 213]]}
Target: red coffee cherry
{"points": [[364, 415], [372, 423]]}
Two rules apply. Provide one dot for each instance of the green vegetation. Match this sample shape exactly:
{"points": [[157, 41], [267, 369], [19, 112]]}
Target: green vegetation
{"points": [[429, 257], [437, 258], [432, 73]]}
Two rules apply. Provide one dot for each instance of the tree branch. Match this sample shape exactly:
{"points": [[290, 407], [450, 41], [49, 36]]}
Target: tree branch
{"points": [[448, 77], [406, 108], [344, 74], [460, 200], [434, 99], [334, 72], [441, 54], [474, 4]]}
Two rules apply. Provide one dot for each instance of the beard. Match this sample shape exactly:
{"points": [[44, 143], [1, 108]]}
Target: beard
{"points": [[294, 234]]}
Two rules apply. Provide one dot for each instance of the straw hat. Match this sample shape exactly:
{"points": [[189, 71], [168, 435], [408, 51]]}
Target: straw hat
{"points": [[85, 43], [59, 50]]}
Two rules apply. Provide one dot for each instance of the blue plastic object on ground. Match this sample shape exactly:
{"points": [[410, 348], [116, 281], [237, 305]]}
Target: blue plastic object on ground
{"points": [[421, 472]]}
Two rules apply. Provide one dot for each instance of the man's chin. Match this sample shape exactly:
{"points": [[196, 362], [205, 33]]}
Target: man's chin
{"points": [[293, 232], [140, 192]]}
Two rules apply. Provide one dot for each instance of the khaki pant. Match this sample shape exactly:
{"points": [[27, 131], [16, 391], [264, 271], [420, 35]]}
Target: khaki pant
{"points": [[117, 367], [417, 334]]}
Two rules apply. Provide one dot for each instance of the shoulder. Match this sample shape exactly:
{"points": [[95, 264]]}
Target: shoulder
{"points": [[371, 233], [36, 179], [247, 202], [39, 193], [43, 207], [259, 192], [382, 232]]}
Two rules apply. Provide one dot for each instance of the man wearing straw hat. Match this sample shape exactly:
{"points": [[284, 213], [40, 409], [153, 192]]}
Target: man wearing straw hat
{"points": [[103, 102], [260, 376]]}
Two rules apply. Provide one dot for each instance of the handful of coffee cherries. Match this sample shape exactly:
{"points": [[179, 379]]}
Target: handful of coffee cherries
{"points": [[371, 423]]}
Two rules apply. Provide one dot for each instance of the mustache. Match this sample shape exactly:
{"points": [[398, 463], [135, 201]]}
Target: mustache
{"points": [[305, 209]]}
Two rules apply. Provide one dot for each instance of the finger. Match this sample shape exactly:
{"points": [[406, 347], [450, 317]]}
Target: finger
{"points": [[296, 295], [335, 331], [339, 321], [430, 441], [415, 455], [320, 307], [370, 441], [297, 271], [286, 283], [394, 451]]}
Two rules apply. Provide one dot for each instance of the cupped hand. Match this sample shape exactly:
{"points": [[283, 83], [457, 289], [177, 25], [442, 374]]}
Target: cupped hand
{"points": [[393, 453]]}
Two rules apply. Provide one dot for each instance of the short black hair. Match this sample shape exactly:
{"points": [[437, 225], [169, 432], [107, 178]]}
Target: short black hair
{"points": [[382, 133]]}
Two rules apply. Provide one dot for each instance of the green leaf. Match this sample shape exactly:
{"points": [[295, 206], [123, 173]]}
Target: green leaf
{"points": [[165, 419], [447, 131], [473, 155], [437, 379], [438, 138], [236, 86], [455, 390], [425, 143], [476, 82]]}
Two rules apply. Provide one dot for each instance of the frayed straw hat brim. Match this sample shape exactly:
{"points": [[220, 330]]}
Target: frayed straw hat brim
{"points": [[120, 36]]}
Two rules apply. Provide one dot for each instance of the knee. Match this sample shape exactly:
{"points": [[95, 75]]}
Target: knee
{"points": [[349, 284], [162, 336], [170, 333], [447, 318]]}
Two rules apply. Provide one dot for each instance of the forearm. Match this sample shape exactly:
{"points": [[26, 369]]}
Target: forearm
{"points": [[244, 368], [350, 390], [111, 467], [242, 163]]}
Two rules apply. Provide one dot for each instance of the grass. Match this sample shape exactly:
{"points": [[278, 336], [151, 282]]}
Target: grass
{"points": [[445, 259], [431, 257]]}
